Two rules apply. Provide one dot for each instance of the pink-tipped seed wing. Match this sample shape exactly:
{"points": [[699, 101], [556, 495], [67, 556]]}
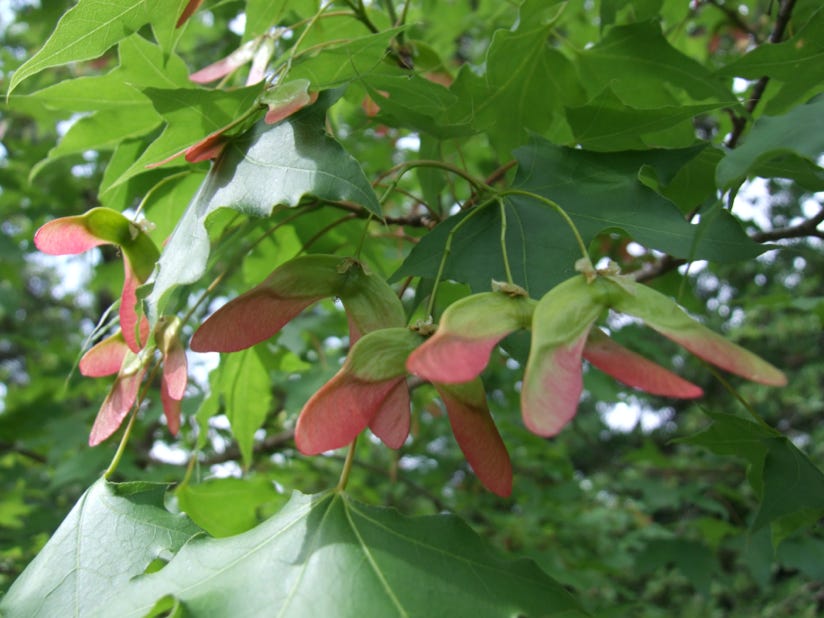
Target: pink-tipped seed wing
{"points": [[104, 358], [353, 398], [247, 320], [116, 406], [477, 435], [261, 312], [468, 332], [66, 236], [135, 327], [553, 376], [634, 370], [663, 314], [339, 411], [391, 423]]}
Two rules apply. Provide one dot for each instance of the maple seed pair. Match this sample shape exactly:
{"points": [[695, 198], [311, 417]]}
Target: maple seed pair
{"points": [[370, 389], [129, 352], [372, 378], [264, 310], [112, 356], [103, 226], [563, 335]]}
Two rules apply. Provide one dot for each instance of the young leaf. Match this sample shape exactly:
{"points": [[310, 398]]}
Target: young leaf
{"points": [[241, 383]]}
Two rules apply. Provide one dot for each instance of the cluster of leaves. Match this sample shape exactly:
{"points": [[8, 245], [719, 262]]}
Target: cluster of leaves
{"points": [[444, 145]]}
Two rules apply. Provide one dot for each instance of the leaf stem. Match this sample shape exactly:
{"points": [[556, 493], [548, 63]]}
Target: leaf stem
{"points": [[447, 250], [390, 9], [309, 24], [557, 208], [151, 191], [347, 466], [402, 168], [504, 254], [363, 235], [325, 229], [734, 392], [121, 448], [124, 440]]}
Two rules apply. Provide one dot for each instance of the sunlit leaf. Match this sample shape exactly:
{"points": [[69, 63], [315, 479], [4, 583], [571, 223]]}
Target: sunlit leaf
{"points": [[111, 535], [327, 555], [785, 146], [85, 32]]}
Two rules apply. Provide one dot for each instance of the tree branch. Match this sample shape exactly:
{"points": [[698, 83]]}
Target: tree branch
{"points": [[808, 228], [735, 17], [13, 448], [739, 123], [268, 445]]}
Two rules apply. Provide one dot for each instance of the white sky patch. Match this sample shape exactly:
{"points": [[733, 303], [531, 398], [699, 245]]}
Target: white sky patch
{"points": [[169, 454], [75, 270], [625, 416], [740, 85], [411, 142], [238, 24], [810, 206], [228, 469], [635, 249], [752, 203], [693, 267]]}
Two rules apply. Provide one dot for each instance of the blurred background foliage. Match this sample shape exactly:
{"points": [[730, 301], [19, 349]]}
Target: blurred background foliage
{"points": [[621, 507]]}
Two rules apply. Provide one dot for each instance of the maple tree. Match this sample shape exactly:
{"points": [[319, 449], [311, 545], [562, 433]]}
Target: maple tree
{"points": [[381, 214]]}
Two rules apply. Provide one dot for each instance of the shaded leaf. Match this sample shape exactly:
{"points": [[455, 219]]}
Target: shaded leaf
{"points": [[796, 63], [643, 70], [790, 487], [695, 560], [599, 191], [111, 535], [524, 76], [607, 124], [327, 555], [786, 146]]}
